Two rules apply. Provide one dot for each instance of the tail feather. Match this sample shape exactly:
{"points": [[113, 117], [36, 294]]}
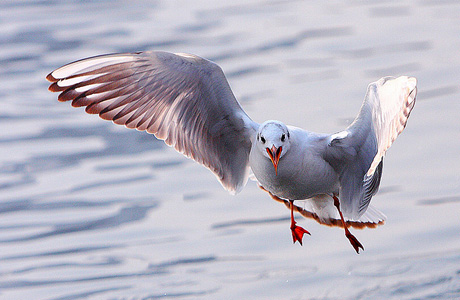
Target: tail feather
{"points": [[328, 215]]}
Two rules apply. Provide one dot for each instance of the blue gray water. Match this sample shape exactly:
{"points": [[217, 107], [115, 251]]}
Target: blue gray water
{"points": [[90, 210]]}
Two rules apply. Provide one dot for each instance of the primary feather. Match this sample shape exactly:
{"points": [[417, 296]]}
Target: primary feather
{"points": [[180, 98]]}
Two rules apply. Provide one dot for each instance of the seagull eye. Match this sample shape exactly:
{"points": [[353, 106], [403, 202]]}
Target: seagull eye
{"points": [[283, 137], [262, 139]]}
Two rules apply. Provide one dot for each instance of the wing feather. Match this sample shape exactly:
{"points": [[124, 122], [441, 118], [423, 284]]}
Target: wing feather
{"points": [[357, 153], [392, 106], [182, 99]]}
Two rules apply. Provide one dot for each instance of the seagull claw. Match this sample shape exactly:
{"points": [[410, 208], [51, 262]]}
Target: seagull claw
{"points": [[354, 242], [297, 233]]}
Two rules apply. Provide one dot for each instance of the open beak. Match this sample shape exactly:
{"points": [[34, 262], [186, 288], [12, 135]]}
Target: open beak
{"points": [[274, 154]]}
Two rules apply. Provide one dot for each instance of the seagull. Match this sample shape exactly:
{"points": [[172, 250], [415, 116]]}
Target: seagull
{"points": [[186, 101]]}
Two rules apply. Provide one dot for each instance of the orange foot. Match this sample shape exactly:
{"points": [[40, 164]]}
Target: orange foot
{"points": [[297, 233], [354, 241]]}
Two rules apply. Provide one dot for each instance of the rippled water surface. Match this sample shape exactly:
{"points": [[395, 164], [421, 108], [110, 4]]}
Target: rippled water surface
{"points": [[90, 210]]}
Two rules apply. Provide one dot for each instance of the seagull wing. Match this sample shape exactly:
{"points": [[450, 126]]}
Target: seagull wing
{"points": [[182, 99], [357, 152]]}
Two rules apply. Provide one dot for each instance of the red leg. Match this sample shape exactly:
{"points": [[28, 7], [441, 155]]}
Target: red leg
{"points": [[297, 231], [353, 240]]}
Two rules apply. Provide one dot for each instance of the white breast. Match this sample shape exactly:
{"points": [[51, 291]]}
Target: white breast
{"points": [[302, 173]]}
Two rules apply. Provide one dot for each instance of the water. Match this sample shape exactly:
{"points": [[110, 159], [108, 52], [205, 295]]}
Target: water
{"points": [[90, 210]]}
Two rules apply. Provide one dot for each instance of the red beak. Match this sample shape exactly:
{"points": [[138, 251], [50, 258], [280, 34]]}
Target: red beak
{"points": [[274, 154]]}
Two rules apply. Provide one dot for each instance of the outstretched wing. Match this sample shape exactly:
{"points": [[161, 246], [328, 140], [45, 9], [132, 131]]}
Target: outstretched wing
{"points": [[357, 152], [182, 99]]}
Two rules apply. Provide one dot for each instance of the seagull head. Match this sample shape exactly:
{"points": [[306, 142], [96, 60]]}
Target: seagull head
{"points": [[273, 140]]}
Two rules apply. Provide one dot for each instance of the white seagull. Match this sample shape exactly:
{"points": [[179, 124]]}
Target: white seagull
{"points": [[186, 101]]}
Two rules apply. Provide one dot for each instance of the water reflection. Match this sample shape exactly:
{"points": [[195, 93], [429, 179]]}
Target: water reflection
{"points": [[440, 200], [407, 277], [124, 215]]}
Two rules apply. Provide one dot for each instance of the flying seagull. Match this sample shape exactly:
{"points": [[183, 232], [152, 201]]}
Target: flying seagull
{"points": [[186, 101]]}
